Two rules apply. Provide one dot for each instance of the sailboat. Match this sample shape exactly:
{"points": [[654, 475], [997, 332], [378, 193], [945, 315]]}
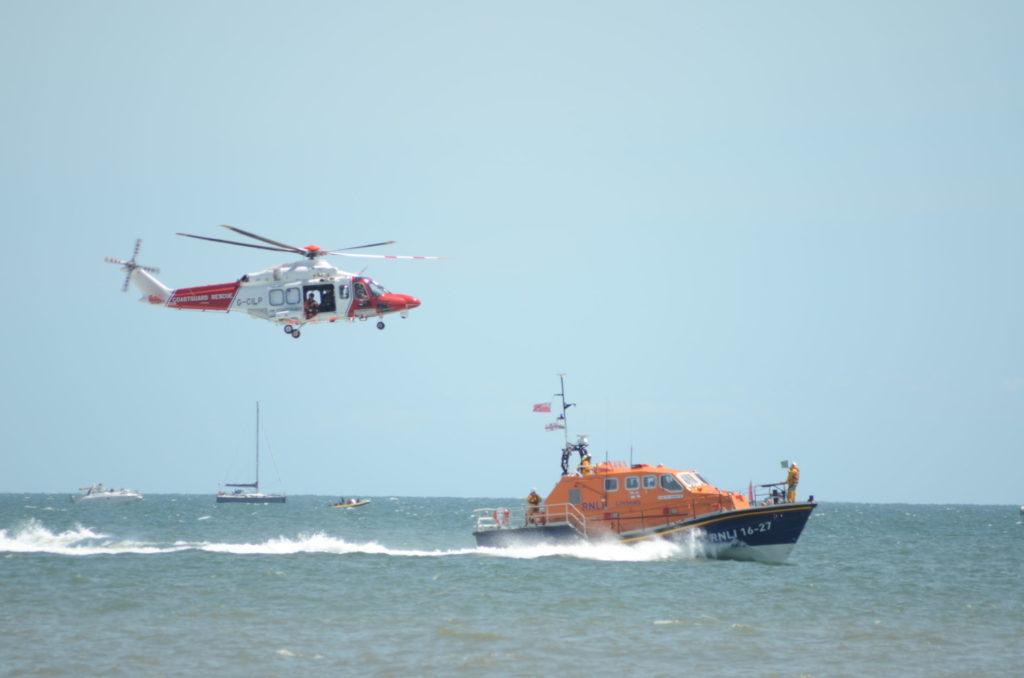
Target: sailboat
{"points": [[239, 495]]}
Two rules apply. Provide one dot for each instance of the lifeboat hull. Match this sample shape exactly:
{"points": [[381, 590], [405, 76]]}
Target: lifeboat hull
{"points": [[763, 533]]}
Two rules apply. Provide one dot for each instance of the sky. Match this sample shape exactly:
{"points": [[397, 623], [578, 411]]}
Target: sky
{"points": [[744, 232]]}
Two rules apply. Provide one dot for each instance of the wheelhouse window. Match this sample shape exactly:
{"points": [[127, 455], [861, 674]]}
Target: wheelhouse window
{"points": [[691, 479], [633, 483], [650, 482], [670, 484], [611, 484]]}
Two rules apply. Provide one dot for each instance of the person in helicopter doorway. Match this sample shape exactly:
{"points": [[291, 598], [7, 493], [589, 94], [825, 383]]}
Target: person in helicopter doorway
{"points": [[532, 517], [791, 482], [311, 308]]}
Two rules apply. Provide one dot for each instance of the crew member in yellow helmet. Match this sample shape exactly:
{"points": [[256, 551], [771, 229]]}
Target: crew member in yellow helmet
{"points": [[791, 481], [531, 514]]}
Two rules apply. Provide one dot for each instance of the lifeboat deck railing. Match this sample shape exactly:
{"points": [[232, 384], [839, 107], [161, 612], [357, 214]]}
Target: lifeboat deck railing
{"points": [[503, 518]]}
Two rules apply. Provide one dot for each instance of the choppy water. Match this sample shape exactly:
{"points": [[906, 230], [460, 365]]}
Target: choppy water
{"points": [[181, 586]]}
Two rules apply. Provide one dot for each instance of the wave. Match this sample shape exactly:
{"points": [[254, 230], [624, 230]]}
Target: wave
{"points": [[34, 537]]}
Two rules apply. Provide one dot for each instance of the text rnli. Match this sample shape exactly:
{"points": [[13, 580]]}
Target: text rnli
{"points": [[204, 297]]}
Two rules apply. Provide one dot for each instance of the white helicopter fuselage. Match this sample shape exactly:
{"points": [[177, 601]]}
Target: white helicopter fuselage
{"points": [[310, 290]]}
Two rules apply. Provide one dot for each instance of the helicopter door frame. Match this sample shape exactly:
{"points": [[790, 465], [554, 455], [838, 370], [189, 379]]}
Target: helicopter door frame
{"points": [[324, 295], [364, 300]]}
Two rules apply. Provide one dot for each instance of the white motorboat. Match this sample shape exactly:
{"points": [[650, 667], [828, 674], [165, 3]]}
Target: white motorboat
{"points": [[97, 494]]}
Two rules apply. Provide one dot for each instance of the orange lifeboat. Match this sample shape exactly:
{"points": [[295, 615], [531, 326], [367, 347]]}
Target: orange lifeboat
{"points": [[631, 503]]}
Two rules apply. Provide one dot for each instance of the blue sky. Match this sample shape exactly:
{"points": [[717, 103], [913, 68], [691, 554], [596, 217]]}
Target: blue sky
{"points": [[746, 232]]}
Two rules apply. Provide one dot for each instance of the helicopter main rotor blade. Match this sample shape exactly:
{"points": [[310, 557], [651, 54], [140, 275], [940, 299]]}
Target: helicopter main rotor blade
{"points": [[380, 256], [287, 248], [241, 244]]}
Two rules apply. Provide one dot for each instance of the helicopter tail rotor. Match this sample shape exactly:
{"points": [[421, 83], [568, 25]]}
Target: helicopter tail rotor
{"points": [[130, 265]]}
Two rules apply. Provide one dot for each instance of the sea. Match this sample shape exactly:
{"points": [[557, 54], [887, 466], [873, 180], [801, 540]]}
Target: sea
{"points": [[177, 585]]}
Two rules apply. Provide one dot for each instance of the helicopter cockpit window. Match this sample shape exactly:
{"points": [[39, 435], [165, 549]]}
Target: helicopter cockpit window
{"points": [[375, 288], [362, 294]]}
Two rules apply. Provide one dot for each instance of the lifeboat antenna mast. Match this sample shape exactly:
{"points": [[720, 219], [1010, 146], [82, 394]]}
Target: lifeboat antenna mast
{"points": [[569, 448], [565, 407]]}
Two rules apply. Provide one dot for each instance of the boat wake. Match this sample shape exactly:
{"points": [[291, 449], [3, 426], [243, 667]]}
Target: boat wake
{"points": [[611, 551], [34, 537], [323, 543]]}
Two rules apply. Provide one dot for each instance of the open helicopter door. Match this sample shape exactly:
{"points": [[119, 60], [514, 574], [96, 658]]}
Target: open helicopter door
{"points": [[318, 299]]}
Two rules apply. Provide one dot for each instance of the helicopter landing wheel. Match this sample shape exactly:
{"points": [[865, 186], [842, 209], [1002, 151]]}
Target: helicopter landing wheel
{"points": [[295, 334], [288, 329], [380, 325]]}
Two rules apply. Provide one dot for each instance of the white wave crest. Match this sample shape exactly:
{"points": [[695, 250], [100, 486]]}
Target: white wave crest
{"points": [[34, 537]]}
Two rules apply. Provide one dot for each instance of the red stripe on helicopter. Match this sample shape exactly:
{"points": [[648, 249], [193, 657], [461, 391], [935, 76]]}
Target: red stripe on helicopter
{"points": [[204, 297]]}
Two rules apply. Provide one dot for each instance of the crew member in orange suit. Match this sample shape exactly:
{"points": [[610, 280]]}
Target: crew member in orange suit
{"points": [[311, 307]]}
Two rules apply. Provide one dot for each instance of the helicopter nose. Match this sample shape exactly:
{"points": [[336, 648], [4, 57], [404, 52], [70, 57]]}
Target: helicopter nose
{"points": [[397, 302]]}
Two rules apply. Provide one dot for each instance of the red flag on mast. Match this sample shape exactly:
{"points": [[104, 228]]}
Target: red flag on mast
{"points": [[750, 491], [542, 407]]}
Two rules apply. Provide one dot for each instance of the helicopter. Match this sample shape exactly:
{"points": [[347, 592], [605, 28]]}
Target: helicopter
{"points": [[294, 294]]}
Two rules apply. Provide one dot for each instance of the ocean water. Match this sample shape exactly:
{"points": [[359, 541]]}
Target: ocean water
{"points": [[177, 585]]}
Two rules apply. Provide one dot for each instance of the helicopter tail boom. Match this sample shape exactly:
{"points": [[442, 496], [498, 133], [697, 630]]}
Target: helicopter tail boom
{"points": [[153, 291], [204, 297]]}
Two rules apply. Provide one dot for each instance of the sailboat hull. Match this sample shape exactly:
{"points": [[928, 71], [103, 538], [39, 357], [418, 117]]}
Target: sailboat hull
{"points": [[247, 498]]}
